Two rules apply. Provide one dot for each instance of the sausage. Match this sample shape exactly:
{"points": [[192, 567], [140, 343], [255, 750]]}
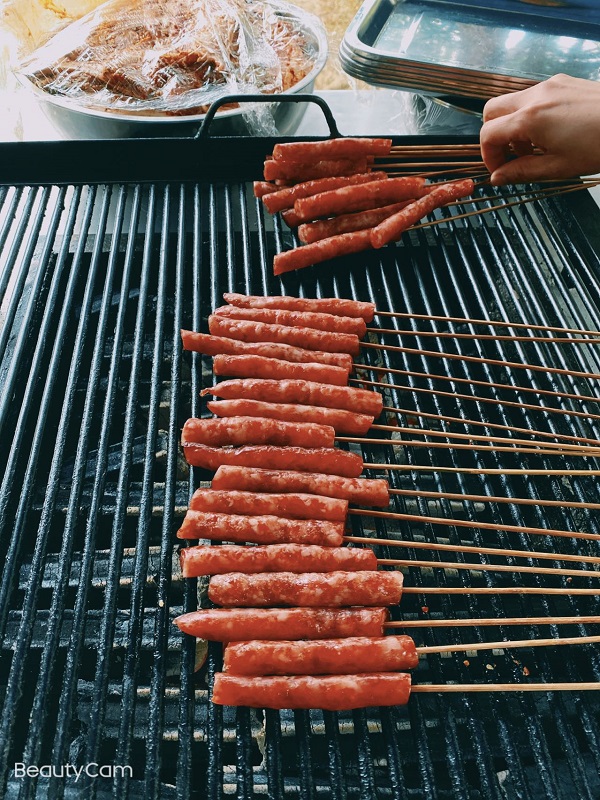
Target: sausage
{"points": [[307, 338], [285, 198], [359, 198], [328, 692], [291, 219], [362, 491], [283, 170], [330, 461], [324, 228], [392, 228], [297, 319], [255, 430], [307, 589], [323, 657], [298, 506], [263, 188], [214, 345], [262, 529], [327, 305], [219, 559], [343, 422], [342, 147], [242, 624], [275, 369], [362, 401], [343, 245]]}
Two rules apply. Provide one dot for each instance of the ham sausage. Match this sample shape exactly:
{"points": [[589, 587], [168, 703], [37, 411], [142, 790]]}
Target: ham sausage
{"points": [[342, 147], [307, 589], [282, 170], [393, 227], [324, 228], [307, 338], [301, 257], [362, 491], [255, 430], [343, 422], [265, 529], [215, 345], [242, 624], [297, 319], [330, 461], [275, 369], [327, 305], [362, 401], [359, 198], [220, 559], [324, 657], [328, 692], [285, 198], [297, 506]]}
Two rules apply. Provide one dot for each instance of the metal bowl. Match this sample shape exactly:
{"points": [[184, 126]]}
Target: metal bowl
{"points": [[79, 122]]}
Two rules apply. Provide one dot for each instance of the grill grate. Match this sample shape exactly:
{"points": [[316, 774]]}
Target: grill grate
{"points": [[96, 280]]}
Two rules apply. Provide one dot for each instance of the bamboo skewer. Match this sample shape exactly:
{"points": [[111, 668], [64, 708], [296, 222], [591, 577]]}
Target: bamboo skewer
{"points": [[484, 498], [435, 688], [458, 565], [494, 551], [508, 645], [483, 471], [487, 336], [464, 523], [493, 590], [491, 621], [475, 359]]}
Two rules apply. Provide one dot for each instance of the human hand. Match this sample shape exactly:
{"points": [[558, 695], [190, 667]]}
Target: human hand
{"points": [[559, 117]]}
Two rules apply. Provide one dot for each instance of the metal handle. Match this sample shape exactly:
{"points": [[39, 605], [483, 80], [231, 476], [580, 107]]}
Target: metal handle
{"points": [[268, 98]]}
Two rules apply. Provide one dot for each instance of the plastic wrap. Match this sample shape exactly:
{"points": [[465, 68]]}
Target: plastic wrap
{"points": [[176, 56]]}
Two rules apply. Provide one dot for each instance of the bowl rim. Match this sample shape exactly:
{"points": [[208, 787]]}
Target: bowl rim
{"points": [[317, 31]]}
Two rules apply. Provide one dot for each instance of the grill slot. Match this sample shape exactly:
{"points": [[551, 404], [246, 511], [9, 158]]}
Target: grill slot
{"points": [[96, 281]]}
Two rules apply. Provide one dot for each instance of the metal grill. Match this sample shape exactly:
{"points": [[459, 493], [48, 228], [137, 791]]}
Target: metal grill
{"points": [[96, 281]]}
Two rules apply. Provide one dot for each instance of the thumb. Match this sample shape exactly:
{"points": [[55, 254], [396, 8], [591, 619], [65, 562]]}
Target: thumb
{"points": [[528, 169]]}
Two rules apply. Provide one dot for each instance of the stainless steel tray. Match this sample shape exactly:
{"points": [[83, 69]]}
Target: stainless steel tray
{"points": [[442, 47]]}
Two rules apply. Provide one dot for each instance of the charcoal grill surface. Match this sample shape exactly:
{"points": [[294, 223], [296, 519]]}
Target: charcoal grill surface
{"points": [[96, 280]]}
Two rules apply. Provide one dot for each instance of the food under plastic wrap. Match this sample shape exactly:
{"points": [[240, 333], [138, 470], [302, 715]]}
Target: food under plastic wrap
{"points": [[175, 57]]}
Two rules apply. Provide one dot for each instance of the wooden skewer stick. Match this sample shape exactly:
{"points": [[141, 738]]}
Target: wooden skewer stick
{"points": [[480, 437], [476, 397], [484, 498], [417, 351], [491, 621], [408, 562], [453, 548], [492, 590], [583, 452], [477, 471], [490, 322], [461, 648], [465, 523], [487, 336], [409, 412], [433, 688]]}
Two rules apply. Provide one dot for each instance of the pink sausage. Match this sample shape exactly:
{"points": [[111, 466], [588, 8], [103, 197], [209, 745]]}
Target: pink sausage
{"points": [[255, 430], [330, 461], [265, 529], [342, 147], [220, 559], [301, 257], [327, 305], [285, 198], [298, 506], [275, 369], [297, 319], [346, 223], [282, 170]]}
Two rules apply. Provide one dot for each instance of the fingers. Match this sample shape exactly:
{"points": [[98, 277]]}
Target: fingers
{"points": [[530, 169], [501, 137], [507, 103]]}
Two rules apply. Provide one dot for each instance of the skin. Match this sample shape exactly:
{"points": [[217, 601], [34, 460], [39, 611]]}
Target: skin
{"points": [[560, 117]]}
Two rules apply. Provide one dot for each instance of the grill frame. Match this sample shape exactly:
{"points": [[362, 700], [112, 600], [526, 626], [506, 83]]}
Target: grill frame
{"points": [[162, 229]]}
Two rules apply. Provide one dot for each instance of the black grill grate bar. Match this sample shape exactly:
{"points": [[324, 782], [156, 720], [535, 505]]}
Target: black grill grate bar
{"points": [[9, 203]]}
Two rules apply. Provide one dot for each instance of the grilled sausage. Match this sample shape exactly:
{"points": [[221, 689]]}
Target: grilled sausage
{"points": [[255, 430], [275, 369], [265, 529], [263, 188], [301, 257], [220, 559], [342, 147], [242, 624], [362, 401], [308, 589], [297, 506], [362, 491], [285, 198], [297, 319], [215, 345], [307, 338], [329, 692], [323, 657], [283, 170], [346, 223], [393, 227], [330, 461], [343, 422], [327, 305]]}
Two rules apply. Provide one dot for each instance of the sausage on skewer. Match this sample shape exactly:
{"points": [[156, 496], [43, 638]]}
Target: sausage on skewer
{"points": [[297, 319], [328, 460], [265, 529], [255, 430], [285, 198], [274, 369], [296, 506], [341, 147], [328, 305], [282, 170]]}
